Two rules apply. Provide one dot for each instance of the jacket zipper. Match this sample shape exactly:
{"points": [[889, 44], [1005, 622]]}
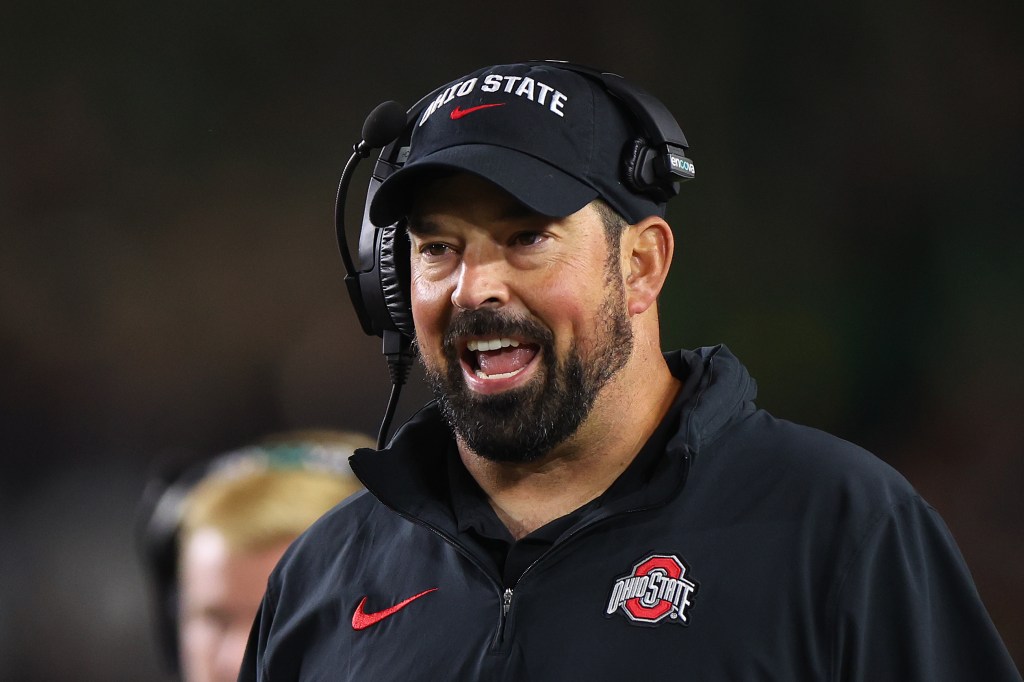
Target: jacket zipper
{"points": [[506, 596], [508, 592], [506, 602]]}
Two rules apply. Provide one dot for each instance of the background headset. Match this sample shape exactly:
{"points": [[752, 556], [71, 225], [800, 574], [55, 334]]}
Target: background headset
{"points": [[163, 504], [653, 164]]}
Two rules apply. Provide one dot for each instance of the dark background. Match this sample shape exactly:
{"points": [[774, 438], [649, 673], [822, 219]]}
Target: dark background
{"points": [[169, 283]]}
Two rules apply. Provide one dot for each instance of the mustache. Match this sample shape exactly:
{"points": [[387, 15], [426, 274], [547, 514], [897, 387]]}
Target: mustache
{"points": [[486, 322]]}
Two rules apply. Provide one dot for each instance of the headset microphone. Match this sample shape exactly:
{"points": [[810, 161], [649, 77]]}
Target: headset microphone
{"points": [[383, 125]]}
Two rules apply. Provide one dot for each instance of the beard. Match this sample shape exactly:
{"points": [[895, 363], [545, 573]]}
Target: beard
{"points": [[526, 423]]}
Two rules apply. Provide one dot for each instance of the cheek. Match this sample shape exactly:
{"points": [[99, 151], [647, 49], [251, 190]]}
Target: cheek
{"points": [[571, 307], [570, 323], [200, 640], [430, 312], [427, 312]]}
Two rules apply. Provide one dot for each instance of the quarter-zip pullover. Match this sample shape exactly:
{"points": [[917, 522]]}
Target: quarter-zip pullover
{"points": [[738, 547]]}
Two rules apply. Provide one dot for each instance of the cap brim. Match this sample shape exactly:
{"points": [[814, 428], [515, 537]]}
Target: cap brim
{"points": [[534, 183]]}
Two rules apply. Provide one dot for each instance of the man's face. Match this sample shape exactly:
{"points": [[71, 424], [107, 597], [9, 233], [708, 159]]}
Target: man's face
{"points": [[520, 318], [220, 592]]}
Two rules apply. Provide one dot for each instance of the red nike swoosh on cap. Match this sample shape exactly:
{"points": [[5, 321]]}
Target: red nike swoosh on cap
{"points": [[458, 113], [362, 620]]}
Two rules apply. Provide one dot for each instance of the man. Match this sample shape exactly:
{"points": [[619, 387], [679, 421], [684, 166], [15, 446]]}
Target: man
{"points": [[576, 504], [213, 541]]}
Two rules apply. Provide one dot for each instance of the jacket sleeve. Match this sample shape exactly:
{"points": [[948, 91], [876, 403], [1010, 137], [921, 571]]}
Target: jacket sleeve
{"points": [[253, 665], [907, 607]]}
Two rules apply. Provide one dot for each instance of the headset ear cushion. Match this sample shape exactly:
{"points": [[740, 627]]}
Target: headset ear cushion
{"points": [[640, 164], [394, 277], [633, 155]]}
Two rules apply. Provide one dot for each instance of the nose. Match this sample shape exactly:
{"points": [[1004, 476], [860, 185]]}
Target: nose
{"points": [[482, 280]]}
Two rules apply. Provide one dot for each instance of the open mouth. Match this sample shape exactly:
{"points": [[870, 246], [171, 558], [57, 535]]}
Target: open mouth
{"points": [[498, 357]]}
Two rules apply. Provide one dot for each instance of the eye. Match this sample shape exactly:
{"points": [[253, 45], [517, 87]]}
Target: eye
{"points": [[528, 238], [435, 250]]}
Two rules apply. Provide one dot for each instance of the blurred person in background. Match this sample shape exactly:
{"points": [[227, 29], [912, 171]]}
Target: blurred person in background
{"points": [[213, 534]]}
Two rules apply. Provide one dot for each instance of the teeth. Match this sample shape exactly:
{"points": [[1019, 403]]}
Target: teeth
{"points": [[490, 344], [480, 373]]}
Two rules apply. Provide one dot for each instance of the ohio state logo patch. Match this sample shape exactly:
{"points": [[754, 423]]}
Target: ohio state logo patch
{"points": [[656, 589]]}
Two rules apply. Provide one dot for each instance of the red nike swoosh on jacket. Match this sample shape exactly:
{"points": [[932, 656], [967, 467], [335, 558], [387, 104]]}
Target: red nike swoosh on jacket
{"points": [[458, 113], [362, 620]]}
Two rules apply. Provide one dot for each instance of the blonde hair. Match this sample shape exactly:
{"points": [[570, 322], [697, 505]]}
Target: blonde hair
{"points": [[271, 492]]}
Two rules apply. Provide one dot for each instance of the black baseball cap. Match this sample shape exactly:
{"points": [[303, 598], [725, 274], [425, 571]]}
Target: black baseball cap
{"points": [[552, 138]]}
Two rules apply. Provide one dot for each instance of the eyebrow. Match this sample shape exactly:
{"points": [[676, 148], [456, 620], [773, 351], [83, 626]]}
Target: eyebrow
{"points": [[421, 228]]}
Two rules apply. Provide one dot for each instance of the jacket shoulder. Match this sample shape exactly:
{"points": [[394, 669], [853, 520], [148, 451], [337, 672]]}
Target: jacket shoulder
{"points": [[814, 459], [351, 524]]}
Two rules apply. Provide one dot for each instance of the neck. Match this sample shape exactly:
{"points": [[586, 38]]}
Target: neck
{"points": [[526, 496]]}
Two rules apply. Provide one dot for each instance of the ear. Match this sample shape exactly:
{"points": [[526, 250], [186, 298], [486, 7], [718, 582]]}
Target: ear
{"points": [[647, 249]]}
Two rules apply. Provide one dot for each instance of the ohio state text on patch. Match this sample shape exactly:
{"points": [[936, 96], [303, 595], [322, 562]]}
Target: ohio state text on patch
{"points": [[656, 589]]}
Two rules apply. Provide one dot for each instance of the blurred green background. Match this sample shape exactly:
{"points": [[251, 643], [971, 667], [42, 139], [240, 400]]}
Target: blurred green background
{"points": [[170, 287]]}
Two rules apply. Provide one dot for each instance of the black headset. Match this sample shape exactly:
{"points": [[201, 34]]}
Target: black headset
{"points": [[653, 164], [157, 525]]}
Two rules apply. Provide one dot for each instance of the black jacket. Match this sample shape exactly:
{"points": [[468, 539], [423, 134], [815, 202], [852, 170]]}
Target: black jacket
{"points": [[757, 550]]}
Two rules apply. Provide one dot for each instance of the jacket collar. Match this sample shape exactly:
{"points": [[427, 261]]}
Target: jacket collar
{"points": [[726, 393], [410, 475]]}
